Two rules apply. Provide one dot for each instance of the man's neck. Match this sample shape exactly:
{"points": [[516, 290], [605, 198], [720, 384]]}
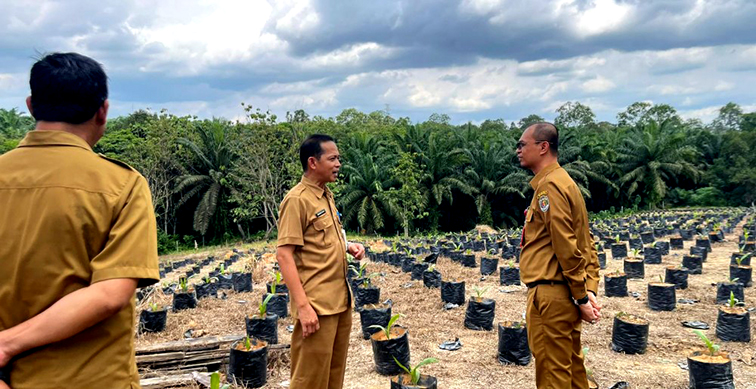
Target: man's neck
{"points": [[82, 131], [544, 163], [312, 178]]}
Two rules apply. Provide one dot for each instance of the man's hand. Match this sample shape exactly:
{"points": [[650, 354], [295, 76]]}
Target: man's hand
{"points": [[594, 303], [309, 320], [3, 385], [357, 250], [5, 355], [588, 313]]}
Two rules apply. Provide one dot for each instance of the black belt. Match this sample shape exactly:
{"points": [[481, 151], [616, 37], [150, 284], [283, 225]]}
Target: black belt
{"points": [[545, 282]]}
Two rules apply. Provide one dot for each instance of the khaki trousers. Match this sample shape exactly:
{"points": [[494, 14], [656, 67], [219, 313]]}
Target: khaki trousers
{"points": [[319, 361], [553, 322]]}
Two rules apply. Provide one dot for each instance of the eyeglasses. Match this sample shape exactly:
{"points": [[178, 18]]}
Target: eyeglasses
{"points": [[522, 144]]}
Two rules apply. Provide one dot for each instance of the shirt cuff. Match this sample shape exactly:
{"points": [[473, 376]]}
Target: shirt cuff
{"points": [[592, 286], [291, 240], [146, 276]]}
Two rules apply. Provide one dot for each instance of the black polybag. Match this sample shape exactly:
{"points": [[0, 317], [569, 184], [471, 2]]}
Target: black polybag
{"points": [[432, 279], [678, 277], [225, 281], [615, 286], [661, 297], [703, 375], [453, 292], [725, 288], [634, 269], [513, 345], [374, 316], [403, 381], [385, 351], [488, 265], [743, 274], [264, 329], [734, 327], [694, 264], [365, 296], [407, 264], [278, 304], [509, 276], [242, 282], [629, 338], [248, 368], [418, 269], [150, 321], [480, 314], [186, 300]]}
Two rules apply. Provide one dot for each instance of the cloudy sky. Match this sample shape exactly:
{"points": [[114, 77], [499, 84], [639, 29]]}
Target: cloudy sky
{"points": [[471, 59]]}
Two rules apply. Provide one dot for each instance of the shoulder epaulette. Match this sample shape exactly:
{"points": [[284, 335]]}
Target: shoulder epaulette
{"points": [[117, 162]]}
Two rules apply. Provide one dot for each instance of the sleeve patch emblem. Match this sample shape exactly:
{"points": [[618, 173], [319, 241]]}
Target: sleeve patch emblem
{"points": [[543, 203]]}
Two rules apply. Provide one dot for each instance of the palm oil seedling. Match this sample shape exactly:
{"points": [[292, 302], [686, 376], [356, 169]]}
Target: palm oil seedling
{"points": [[414, 372], [387, 330]]}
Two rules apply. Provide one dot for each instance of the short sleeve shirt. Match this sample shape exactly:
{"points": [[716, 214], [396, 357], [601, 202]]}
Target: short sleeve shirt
{"points": [[70, 218], [308, 220], [557, 244]]}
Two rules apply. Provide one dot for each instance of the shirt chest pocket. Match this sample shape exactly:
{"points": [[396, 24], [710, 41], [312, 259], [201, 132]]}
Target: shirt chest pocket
{"points": [[323, 232]]}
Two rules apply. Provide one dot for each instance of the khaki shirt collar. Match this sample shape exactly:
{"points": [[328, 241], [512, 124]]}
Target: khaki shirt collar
{"points": [[543, 173], [313, 186], [38, 138]]}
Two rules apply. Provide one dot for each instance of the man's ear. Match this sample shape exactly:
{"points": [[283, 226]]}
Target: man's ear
{"points": [[545, 148], [101, 117], [311, 163], [29, 106]]}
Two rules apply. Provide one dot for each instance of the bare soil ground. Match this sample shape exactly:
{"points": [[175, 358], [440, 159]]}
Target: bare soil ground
{"points": [[476, 365]]}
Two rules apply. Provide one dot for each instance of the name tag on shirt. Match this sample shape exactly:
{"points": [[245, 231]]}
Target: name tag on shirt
{"points": [[320, 213]]}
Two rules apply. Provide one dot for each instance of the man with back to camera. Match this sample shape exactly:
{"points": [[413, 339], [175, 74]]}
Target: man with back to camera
{"points": [[312, 256], [79, 236], [558, 263]]}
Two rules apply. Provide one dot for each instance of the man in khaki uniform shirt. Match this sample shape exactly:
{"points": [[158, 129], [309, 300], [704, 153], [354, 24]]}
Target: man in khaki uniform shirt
{"points": [[79, 236], [312, 255], [558, 263]]}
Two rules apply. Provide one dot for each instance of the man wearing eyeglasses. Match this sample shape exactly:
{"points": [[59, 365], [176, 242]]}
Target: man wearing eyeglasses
{"points": [[557, 263]]}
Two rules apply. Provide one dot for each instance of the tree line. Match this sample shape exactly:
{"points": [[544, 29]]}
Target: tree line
{"points": [[215, 180]]}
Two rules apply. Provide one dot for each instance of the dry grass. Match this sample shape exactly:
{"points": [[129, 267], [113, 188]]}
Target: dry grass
{"points": [[475, 365]]}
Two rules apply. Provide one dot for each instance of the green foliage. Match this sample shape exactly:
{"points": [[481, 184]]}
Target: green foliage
{"points": [[215, 382], [387, 330], [406, 203], [414, 373], [713, 348], [217, 181], [262, 309], [277, 277], [479, 292]]}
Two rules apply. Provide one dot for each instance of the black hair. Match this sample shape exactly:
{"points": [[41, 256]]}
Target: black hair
{"points": [[311, 147], [67, 87], [547, 132]]}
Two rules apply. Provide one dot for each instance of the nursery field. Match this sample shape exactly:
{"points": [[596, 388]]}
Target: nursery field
{"points": [[476, 364]]}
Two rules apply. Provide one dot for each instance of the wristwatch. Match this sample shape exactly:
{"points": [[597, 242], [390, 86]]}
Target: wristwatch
{"points": [[583, 300]]}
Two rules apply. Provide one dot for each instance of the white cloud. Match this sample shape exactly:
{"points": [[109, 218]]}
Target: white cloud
{"points": [[604, 16], [598, 85]]}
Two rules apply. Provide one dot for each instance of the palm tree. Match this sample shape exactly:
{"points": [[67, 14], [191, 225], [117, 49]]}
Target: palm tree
{"points": [[655, 156], [491, 173], [366, 177], [14, 124], [571, 149], [442, 163], [209, 179]]}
